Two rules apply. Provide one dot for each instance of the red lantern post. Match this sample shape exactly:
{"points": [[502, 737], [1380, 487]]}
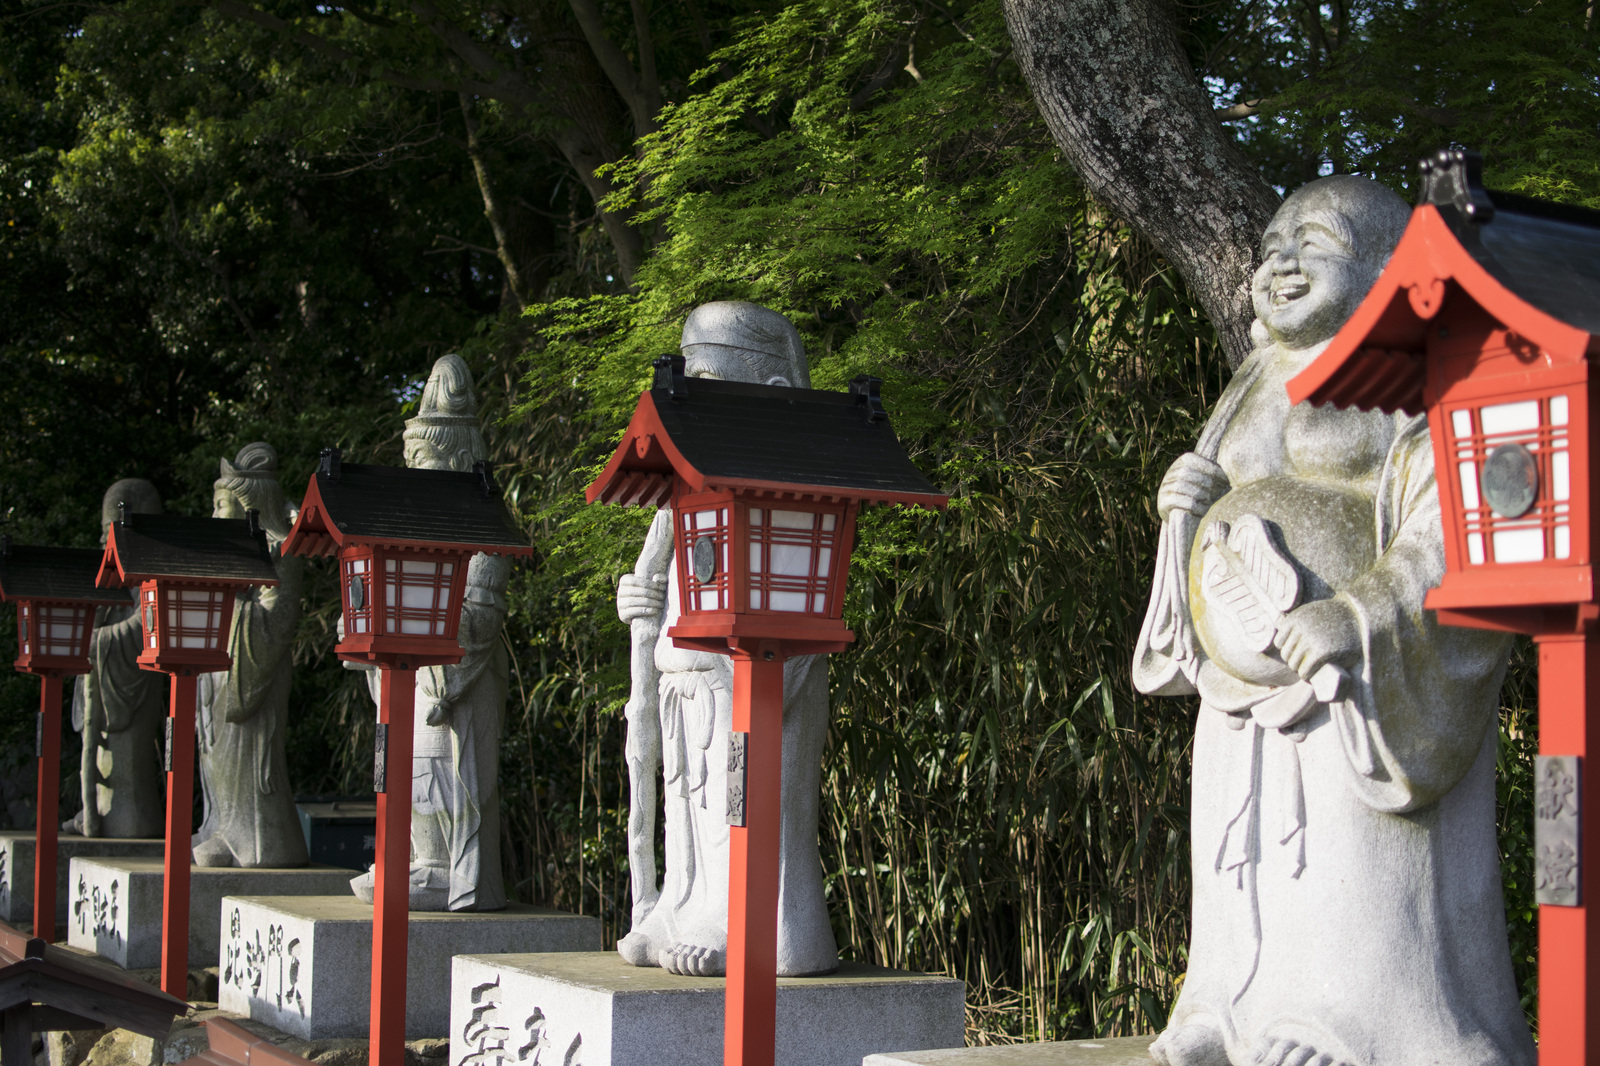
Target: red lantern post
{"points": [[187, 571], [1486, 318], [404, 539], [56, 598], [765, 483]]}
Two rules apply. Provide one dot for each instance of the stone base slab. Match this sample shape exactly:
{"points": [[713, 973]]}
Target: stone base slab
{"points": [[595, 1008], [304, 964], [1113, 1051], [115, 904], [16, 868]]}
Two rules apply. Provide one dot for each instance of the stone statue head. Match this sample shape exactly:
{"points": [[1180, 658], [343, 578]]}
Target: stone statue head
{"points": [[1321, 253], [445, 434], [140, 496], [250, 482], [738, 341]]}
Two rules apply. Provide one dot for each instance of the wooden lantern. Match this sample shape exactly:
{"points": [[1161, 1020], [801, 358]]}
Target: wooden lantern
{"points": [[187, 571], [54, 590], [404, 539], [764, 483], [1486, 317]]}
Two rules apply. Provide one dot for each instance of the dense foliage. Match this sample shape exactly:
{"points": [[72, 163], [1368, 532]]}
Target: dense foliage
{"points": [[224, 223]]}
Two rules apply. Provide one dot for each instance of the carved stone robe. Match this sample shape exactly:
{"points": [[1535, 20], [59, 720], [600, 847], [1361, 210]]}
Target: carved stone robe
{"points": [[242, 715], [118, 708], [1346, 875]]}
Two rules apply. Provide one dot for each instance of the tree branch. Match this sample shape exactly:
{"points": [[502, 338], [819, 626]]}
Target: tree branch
{"points": [[643, 99], [1243, 109]]}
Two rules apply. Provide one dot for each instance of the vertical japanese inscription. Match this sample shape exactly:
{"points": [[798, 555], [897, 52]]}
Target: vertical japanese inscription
{"points": [[738, 750], [380, 759], [1556, 825]]}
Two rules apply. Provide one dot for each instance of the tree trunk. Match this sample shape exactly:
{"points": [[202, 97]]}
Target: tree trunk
{"points": [[1125, 107]]}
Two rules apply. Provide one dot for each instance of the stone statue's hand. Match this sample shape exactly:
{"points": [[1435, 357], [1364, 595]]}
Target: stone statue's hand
{"points": [[1311, 635], [641, 599], [1192, 483], [438, 713]]}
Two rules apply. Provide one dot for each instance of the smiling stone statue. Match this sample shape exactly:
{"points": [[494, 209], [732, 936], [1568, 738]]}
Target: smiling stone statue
{"points": [[1347, 902]]}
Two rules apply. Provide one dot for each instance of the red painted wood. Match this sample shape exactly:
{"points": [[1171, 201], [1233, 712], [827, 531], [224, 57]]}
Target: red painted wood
{"points": [[1569, 684], [180, 823], [45, 827], [392, 896], [750, 1027]]}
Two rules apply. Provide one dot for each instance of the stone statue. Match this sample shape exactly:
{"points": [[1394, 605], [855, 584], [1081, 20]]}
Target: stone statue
{"points": [[455, 790], [250, 817], [118, 708], [681, 711], [1347, 902]]}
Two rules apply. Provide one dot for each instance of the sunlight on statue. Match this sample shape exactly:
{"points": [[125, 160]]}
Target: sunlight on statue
{"points": [[118, 708], [680, 713], [1347, 900], [460, 709], [243, 712]]}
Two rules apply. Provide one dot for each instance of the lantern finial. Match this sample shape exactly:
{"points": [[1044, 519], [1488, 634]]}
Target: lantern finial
{"points": [[1453, 177], [669, 375], [866, 391], [331, 459]]}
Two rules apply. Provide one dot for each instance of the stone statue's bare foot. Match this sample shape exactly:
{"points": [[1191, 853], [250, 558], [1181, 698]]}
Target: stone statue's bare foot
{"points": [[1190, 1045], [73, 824], [364, 886], [693, 960], [1288, 1052], [647, 939]]}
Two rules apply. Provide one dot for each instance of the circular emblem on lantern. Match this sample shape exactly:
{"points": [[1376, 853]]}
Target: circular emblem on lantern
{"points": [[1510, 480], [358, 593], [705, 559]]}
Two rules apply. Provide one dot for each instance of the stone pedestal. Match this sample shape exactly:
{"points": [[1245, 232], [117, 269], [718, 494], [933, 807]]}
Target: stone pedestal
{"points": [[1115, 1051], [115, 905], [304, 964], [16, 868], [512, 1009]]}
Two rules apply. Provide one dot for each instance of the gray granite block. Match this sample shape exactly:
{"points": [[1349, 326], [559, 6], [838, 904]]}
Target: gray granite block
{"points": [[594, 1006], [115, 905], [16, 868], [304, 964], [1113, 1051]]}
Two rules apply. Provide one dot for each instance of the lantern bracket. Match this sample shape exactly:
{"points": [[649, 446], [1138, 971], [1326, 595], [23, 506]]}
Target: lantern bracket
{"points": [[252, 521], [485, 482], [5, 545], [866, 390], [331, 460], [1452, 178], [122, 512], [670, 375]]}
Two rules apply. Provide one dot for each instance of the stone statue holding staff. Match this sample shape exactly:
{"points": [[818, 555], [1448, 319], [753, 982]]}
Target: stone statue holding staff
{"points": [[680, 712], [1347, 901]]}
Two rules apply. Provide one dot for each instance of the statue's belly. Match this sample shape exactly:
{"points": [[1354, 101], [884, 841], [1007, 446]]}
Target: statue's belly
{"points": [[1329, 535]]}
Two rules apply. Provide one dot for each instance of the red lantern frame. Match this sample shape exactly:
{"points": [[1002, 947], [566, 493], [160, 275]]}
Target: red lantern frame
{"points": [[52, 587], [727, 456], [401, 586], [183, 567]]}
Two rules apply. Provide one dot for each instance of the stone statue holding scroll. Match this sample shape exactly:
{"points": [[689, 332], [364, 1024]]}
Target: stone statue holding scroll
{"points": [[242, 713], [118, 708], [681, 711], [1347, 901], [460, 709]]}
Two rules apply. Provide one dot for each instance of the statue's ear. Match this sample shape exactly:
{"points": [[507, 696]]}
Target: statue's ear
{"points": [[779, 379]]}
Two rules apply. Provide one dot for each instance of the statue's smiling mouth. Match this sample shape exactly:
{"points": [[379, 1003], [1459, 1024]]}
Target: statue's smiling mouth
{"points": [[1288, 288]]}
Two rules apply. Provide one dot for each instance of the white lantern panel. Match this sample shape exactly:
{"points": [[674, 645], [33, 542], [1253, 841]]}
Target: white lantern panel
{"points": [[1521, 416], [1461, 421], [791, 558], [1475, 549], [1524, 545], [1558, 410]]}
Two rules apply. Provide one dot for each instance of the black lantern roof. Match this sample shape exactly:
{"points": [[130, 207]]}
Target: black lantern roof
{"points": [[29, 572], [401, 507], [226, 551], [1547, 254], [725, 434], [71, 991]]}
